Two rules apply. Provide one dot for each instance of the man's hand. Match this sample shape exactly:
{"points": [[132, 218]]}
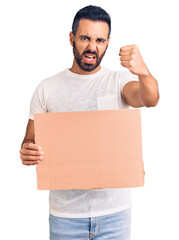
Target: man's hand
{"points": [[132, 59], [31, 154]]}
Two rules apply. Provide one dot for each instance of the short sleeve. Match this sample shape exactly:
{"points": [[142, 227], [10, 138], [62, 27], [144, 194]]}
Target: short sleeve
{"points": [[37, 104], [126, 76]]}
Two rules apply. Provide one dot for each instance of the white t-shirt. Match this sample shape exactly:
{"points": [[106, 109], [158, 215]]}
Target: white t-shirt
{"points": [[66, 92]]}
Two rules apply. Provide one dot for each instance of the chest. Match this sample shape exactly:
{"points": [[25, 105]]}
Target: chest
{"points": [[84, 96]]}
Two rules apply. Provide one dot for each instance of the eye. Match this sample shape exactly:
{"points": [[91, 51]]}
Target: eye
{"points": [[101, 40], [84, 38]]}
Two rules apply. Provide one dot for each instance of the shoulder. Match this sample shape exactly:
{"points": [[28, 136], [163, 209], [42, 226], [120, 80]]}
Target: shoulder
{"points": [[117, 72], [123, 75], [52, 79], [111, 73]]}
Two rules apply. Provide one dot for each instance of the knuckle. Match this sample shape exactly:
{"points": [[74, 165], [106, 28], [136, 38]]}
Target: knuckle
{"points": [[22, 157]]}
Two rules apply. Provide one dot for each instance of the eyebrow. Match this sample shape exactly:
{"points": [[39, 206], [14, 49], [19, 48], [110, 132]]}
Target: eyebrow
{"points": [[85, 36], [101, 39]]}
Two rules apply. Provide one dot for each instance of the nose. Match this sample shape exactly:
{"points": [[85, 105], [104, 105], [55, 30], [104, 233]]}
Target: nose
{"points": [[92, 45]]}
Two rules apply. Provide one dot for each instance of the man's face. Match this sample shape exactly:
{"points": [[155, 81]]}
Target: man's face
{"points": [[90, 43]]}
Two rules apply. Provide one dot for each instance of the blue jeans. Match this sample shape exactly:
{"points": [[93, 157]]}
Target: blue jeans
{"points": [[114, 226]]}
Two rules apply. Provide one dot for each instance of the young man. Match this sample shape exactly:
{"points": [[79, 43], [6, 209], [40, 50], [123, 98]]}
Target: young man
{"points": [[86, 86]]}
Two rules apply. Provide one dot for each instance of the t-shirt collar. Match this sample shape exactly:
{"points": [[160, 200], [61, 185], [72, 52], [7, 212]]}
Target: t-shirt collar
{"points": [[81, 76]]}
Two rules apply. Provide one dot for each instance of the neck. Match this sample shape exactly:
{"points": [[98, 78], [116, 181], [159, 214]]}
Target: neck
{"points": [[76, 69]]}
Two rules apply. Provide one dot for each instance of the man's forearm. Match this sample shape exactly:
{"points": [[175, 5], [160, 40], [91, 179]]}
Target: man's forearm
{"points": [[148, 90], [146, 93]]}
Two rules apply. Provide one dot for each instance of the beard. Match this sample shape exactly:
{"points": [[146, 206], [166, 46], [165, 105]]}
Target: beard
{"points": [[87, 66]]}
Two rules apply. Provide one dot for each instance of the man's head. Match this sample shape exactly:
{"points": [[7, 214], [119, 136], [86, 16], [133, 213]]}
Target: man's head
{"points": [[90, 37]]}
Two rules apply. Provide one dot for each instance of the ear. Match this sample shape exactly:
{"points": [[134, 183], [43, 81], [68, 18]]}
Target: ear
{"points": [[71, 38]]}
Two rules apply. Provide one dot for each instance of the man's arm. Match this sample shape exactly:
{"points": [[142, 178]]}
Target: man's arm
{"points": [[29, 136], [145, 91], [141, 93], [30, 152]]}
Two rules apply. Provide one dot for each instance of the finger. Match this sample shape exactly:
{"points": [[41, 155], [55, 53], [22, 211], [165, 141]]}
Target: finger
{"points": [[26, 151], [125, 52], [32, 146], [126, 58], [31, 158], [128, 47], [125, 64], [28, 163]]}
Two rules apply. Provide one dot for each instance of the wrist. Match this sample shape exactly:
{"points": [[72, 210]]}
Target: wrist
{"points": [[144, 75]]}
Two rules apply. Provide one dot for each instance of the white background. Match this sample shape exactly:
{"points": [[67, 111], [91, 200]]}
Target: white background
{"points": [[34, 45]]}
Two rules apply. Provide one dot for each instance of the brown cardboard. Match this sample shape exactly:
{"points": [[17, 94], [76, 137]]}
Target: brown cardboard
{"points": [[89, 149]]}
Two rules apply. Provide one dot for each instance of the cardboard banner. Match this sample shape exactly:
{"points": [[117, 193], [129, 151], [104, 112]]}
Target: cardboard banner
{"points": [[89, 149]]}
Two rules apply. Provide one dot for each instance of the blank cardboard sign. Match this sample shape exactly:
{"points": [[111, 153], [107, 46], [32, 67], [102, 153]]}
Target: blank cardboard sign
{"points": [[89, 149]]}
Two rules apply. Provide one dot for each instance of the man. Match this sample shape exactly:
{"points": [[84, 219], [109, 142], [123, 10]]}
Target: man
{"points": [[86, 86]]}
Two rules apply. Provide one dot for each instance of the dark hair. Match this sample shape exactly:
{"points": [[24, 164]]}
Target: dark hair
{"points": [[93, 13]]}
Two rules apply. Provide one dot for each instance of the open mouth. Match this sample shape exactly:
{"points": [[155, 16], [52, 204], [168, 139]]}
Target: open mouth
{"points": [[89, 58]]}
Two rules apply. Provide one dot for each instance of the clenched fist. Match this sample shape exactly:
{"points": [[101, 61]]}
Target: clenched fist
{"points": [[131, 58]]}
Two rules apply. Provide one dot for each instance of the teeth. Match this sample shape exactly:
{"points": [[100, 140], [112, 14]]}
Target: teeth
{"points": [[89, 56]]}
